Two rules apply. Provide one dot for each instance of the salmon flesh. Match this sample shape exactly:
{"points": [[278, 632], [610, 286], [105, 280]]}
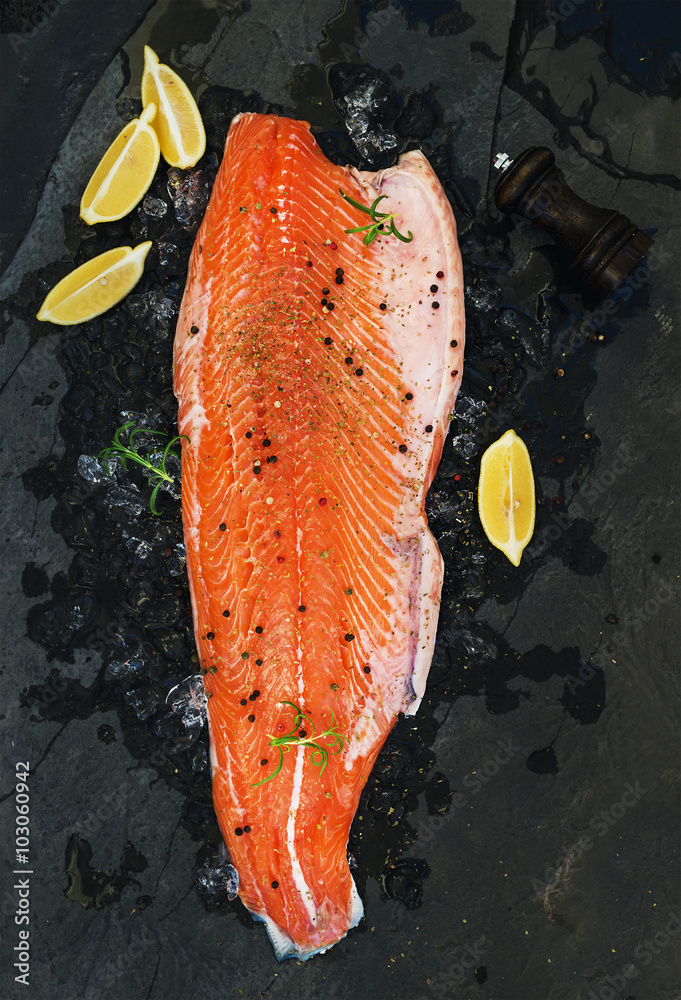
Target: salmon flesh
{"points": [[315, 377]]}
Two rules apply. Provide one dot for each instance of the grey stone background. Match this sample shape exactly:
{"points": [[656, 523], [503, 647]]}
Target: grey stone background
{"points": [[515, 886]]}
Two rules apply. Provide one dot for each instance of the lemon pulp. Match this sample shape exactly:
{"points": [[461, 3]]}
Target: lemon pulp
{"points": [[506, 499]]}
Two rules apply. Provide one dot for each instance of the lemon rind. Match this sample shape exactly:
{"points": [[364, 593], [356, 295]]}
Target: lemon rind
{"points": [[136, 255], [514, 547], [184, 161], [142, 124]]}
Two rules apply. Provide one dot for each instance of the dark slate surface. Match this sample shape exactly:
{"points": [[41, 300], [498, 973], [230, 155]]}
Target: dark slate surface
{"points": [[544, 764]]}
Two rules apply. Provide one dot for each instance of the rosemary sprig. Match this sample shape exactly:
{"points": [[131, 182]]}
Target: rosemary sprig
{"points": [[128, 453], [320, 754], [379, 221]]}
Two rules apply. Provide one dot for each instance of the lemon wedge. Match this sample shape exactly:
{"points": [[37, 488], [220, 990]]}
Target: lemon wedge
{"points": [[178, 120], [506, 495], [124, 173], [95, 286]]}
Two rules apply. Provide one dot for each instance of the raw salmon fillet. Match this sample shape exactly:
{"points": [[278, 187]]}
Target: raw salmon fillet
{"points": [[315, 377]]}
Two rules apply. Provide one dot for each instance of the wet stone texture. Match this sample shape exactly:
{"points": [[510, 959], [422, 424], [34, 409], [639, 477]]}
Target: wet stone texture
{"points": [[518, 839]]}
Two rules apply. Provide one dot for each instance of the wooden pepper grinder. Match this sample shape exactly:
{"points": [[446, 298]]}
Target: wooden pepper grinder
{"points": [[601, 246]]}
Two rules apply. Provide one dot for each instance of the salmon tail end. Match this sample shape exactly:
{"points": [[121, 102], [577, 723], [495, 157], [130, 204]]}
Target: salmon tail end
{"points": [[285, 947]]}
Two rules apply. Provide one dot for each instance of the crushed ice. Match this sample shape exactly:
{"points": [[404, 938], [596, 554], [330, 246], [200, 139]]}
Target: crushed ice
{"points": [[356, 107], [188, 699], [469, 411], [156, 208], [178, 561], [130, 653], [152, 311], [93, 469], [189, 191], [124, 500], [215, 876]]}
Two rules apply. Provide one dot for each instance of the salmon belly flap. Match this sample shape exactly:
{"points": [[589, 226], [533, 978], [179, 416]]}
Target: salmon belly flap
{"points": [[315, 377]]}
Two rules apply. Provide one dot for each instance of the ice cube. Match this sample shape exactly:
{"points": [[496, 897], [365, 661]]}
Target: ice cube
{"points": [[124, 668], [156, 208], [217, 875], [123, 500], [189, 700], [152, 311], [189, 191], [465, 446], [93, 469], [357, 108]]}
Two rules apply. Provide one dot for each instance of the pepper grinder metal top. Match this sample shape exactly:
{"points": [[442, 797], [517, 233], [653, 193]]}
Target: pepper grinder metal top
{"points": [[601, 246]]}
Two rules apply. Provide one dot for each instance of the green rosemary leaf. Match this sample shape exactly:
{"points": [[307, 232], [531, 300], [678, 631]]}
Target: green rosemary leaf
{"points": [[393, 230], [129, 453], [378, 216], [356, 204], [319, 755], [379, 220]]}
